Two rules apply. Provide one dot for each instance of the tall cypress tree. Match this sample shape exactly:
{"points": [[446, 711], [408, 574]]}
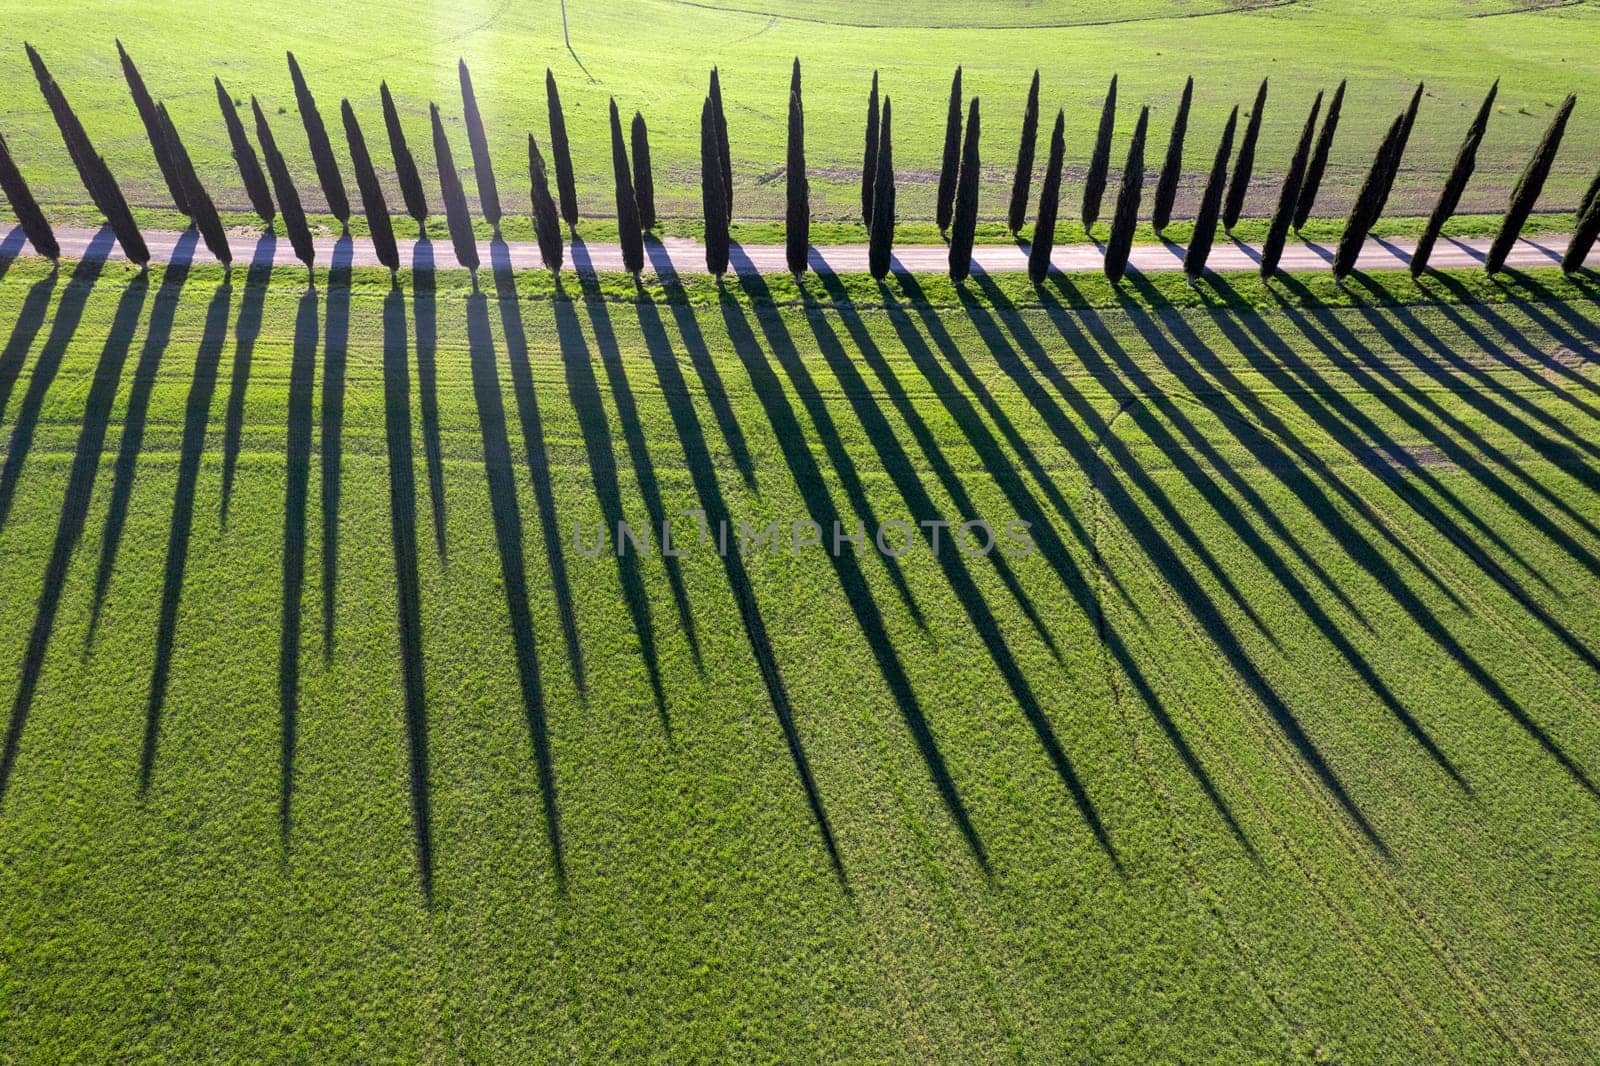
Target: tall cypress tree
{"points": [[880, 243], [456, 216], [546, 222], [713, 201], [373, 204], [201, 207], [1239, 185], [797, 201], [964, 226], [869, 156], [1021, 185], [294, 216], [644, 181], [25, 207], [1289, 195], [1583, 237], [405, 165], [1319, 161], [1172, 169], [1044, 230], [1205, 220], [321, 151], [1456, 184], [565, 187], [1094, 182], [725, 152], [1528, 187], [1127, 214], [1589, 196], [121, 219], [1369, 201], [152, 129], [950, 168], [244, 155], [482, 165], [628, 231], [1408, 120]]}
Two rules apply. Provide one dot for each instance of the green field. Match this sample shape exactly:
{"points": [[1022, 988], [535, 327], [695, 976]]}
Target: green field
{"points": [[654, 55], [1280, 746]]}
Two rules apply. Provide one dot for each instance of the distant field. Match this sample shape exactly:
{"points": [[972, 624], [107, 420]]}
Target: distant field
{"points": [[654, 55], [1281, 746]]}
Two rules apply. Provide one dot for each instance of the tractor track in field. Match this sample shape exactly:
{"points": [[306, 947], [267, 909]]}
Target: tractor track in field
{"points": [[1171, 16]]}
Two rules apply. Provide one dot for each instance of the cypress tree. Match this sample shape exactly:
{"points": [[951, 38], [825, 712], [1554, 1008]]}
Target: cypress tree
{"points": [[84, 158], [724, 151], [1044, 230], [869, 157], [797, 215], [1094, 182], [880, 242], [951, 166], [294, 216], [1205, 220], [373, 204], [565, 188], [628, 231], [201, 207], [1456, 184], [120, 218], [1240, 183], [1583, 236], [1021, 185], [321, 151], [457, 218], [965, 223], [1167, 184], [482, 166], [244, 155], [405, 165], [644, 182], [1127, 214], [1289, 195], [1319, 161], [1528, 187], [25, 207], [546, 222], [152, 129], [1406, 122], [712, 199], [1369, 202], [1589, 196]]}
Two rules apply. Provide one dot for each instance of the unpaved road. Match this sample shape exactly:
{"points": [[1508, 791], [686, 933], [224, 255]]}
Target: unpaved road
{"points": [[688, 257]]}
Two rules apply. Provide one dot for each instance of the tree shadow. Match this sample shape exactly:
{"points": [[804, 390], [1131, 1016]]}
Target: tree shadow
{"points": [[68, 312], [30, 316], [74, 512], [245, 332], [424, 308], [500, 472], [297, 481], [584, 390], [703, 472], [197, 414], [408, 591], [335, 349], [11, 248], [157, 334]]}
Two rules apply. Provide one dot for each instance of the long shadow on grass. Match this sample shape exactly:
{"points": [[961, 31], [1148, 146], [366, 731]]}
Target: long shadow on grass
{"points": [[703, 472], [245, 332], [30, 316], [424, 307], [297, 481], [74, 512], [584, 390], [197, 413], [408, 591], [157, 334], [336, 343], [10, 248], [68, 312], [533, 449], [992, 455], [501, 474]]}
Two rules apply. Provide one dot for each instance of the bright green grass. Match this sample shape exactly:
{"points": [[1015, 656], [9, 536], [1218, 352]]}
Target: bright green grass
{"points": [[1237, 581], [654, 55]]}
